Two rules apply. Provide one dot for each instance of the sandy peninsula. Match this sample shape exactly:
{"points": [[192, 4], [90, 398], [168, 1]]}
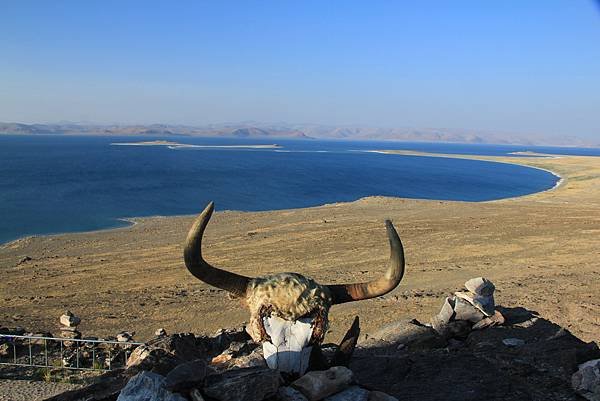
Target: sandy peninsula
{"points": [[177, 145], [542, 251]]}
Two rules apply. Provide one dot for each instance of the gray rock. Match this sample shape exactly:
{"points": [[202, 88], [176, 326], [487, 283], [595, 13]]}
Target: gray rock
{"points": [[68, 319], [196, 395], [225, 337], [186, 376], [125, 336], [353, 393], [381, 396], [484, 303], [147, 357], [496, 320], [255, 359], [5, 349], [147, 386], [586, 381], [162, 354], [317, 385], [410, 333], [513, 342], [23, 260], [480, 286], [70, 334], [466, 311], [17, 331], [444, 316], [247, 384], [290, 394]]}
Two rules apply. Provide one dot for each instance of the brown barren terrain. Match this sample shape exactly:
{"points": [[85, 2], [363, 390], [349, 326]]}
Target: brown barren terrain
{"points": [[542, 251]]}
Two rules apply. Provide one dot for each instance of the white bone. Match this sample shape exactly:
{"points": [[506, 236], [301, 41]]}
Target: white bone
{"points": [[288, 349]]}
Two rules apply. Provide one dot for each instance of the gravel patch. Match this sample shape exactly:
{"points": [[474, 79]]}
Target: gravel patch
{"points": [[28, 390]]}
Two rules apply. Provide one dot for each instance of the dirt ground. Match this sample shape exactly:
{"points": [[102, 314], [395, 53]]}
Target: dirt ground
{"points": [[542, 251], [28, 390]]}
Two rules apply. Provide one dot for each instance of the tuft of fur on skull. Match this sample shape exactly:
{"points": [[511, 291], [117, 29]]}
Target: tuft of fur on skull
{"points": [[289, 296], [288, 311]]}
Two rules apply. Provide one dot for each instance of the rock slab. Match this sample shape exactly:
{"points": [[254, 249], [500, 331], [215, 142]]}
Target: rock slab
{"points": [[186, 376], [290, 394], [246, 384], [147, 386], [586, 381], [353, 393], [317, 385], [381, 396]]}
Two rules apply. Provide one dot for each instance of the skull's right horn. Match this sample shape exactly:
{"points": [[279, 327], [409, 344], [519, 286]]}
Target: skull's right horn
{"points": [[355, 292]]}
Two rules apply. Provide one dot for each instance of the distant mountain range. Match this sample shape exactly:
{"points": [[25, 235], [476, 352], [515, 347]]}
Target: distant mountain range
{"points": [[254, 129]]}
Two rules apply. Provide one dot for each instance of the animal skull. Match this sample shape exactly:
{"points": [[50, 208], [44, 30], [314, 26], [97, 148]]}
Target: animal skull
{"points": [[288, 311]]}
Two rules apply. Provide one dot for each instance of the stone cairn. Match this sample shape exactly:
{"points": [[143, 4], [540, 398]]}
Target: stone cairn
{"points": [[475, 305], [68, 326]]}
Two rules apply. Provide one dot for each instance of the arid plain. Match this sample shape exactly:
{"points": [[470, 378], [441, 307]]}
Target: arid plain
{"points": [[542, 251]]}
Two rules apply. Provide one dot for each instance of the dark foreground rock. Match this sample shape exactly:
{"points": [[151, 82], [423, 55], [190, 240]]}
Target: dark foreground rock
{"points": [[409, 361], [148, 386], [246, 384], [187, 375], [481, 366]]}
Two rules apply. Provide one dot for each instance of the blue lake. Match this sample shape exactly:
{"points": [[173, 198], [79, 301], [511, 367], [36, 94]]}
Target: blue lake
{"points": [[52, 184]]}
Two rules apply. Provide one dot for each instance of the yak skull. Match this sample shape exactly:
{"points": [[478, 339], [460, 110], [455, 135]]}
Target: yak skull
{"points": [[288, 311]]}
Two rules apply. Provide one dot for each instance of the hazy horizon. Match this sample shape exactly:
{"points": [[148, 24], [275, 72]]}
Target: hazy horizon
{"points": [[525, 68]]}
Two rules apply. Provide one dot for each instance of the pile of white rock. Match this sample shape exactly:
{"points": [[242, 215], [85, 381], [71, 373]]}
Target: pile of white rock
{"points": [[475, 305], [68, 325]]}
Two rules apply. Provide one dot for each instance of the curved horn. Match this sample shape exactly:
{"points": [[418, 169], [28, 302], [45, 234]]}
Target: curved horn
{"points": [[355, 292], [192, 254]]}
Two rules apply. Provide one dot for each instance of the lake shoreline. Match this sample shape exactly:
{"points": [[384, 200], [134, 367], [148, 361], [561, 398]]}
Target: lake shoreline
{"points": [[133, 278], [130, 220]]}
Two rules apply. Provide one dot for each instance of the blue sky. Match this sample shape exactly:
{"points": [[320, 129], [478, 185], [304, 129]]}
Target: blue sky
{"points": [[510, 66]]}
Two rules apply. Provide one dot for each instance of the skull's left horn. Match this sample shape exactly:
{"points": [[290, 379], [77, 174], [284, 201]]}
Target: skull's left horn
{"points": [[355, 292], [192, 254]]}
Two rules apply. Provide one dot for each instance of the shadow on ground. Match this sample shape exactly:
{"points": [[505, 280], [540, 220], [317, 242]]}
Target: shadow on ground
{"points": [[478, 366]]}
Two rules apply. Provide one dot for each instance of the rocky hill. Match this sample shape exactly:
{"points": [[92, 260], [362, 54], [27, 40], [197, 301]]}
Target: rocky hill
{"points": [[253, 129]]}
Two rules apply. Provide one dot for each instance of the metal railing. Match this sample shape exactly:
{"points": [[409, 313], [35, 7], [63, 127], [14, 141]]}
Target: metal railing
{"points": [[105, 354]]}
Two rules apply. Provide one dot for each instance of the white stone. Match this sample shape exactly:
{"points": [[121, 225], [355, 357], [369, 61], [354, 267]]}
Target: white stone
{"points": [[147, 386], [317, 385], [480, 286], [483, 303], [288, 350], [466, 311], [69, 320]]}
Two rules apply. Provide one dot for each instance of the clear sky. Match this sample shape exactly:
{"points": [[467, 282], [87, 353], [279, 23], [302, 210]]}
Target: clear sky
{"points": [[509, 66]]}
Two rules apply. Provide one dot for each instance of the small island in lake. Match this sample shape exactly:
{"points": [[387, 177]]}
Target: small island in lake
{"points": [[176, 145]]}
